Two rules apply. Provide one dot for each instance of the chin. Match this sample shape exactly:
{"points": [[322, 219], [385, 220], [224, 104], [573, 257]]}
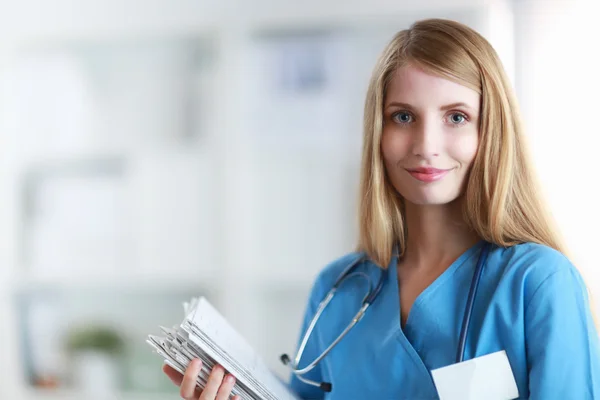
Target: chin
{"points": [[429, 202], [430, 199], [438, 193]]}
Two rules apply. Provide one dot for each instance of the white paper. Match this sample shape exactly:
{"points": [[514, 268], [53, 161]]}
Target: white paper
{"points": [[206, 334], [230, 342], [488, 377]]}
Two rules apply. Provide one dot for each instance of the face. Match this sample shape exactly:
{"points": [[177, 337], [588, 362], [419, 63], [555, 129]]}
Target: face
{"points": [[430, 136]]}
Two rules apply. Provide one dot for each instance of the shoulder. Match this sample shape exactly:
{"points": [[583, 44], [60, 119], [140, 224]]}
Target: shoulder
{"points": [[329, 274], [533, 257], [538, 261], [332, 270], [530, 266]]}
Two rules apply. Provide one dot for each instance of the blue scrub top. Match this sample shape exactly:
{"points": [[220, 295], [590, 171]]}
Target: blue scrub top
{"points": [[531, 302]]}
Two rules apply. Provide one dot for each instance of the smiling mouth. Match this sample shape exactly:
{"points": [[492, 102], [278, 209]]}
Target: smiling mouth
{"points": [[428, 174]]}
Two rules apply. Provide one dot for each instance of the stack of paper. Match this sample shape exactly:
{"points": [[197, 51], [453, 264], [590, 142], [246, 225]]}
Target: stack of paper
{"points": [[205, 334]]}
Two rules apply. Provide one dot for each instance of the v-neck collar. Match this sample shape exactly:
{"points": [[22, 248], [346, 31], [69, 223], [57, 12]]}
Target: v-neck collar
{"points": [[391, 303], [393, 300], [390, 307], [439, 281]]}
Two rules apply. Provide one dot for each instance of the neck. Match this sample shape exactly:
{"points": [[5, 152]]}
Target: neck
{"points": [[436, 235]]}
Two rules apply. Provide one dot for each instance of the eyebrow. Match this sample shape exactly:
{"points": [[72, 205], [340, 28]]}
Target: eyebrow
{"points": [[443, 108]]}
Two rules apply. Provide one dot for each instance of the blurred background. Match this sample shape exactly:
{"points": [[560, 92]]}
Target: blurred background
{"points": [[152, 151]]}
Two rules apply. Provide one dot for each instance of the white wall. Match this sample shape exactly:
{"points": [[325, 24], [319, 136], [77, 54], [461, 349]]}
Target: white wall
{"points": [[559, 85]]}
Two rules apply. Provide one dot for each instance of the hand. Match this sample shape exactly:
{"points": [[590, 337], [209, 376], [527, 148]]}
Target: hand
{"points": [[218, 386]]}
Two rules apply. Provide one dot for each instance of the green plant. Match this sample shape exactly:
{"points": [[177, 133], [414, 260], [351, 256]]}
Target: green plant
{"points": [[96, 338]]}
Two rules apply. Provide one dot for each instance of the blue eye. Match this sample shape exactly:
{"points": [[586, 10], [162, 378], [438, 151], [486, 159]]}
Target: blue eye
{"points": [[402, 117], [458, 118]]}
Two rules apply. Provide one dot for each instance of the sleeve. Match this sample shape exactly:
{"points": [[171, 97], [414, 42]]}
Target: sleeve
{"points": [[563, 353], [311, 351]]}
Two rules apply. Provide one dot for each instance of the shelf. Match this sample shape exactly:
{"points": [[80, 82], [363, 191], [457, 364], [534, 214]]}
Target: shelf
{"points": [[76, 158], [39, 394], [124, 283]]}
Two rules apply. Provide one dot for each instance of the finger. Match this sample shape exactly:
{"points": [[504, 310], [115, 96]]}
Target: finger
{"points": [[237, 397], [226, 387], [174, 375], [188, 385], [214, 382]]}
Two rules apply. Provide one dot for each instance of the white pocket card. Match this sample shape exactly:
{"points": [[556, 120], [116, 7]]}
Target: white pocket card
{"points": [[488, 377]]}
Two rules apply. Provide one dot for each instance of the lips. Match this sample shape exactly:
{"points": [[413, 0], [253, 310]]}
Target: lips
{"points": [[427, 174]]}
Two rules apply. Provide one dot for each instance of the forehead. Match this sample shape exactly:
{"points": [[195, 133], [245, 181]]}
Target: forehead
{"points": [[414, 86]]}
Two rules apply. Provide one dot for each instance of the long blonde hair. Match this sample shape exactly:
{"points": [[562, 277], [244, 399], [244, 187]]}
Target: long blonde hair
{"points": [[501, 201]]}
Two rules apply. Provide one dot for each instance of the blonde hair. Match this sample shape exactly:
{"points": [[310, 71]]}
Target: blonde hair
{"points": [[502, 203]]}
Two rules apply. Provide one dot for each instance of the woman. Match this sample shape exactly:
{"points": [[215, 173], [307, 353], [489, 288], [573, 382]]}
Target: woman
{"points": [[446, 183]]}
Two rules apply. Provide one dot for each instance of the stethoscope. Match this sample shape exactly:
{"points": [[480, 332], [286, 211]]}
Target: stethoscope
{"points": [[350, 271]]}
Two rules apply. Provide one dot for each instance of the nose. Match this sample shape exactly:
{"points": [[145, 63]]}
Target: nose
{"points": [[427, 138]]}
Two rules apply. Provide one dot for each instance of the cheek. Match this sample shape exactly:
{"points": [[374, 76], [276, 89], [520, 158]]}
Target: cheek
{"points": [[464, 149], [394, 147]]}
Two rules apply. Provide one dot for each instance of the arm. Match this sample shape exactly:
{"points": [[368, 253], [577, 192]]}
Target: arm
{"points": [[563, 353]]}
